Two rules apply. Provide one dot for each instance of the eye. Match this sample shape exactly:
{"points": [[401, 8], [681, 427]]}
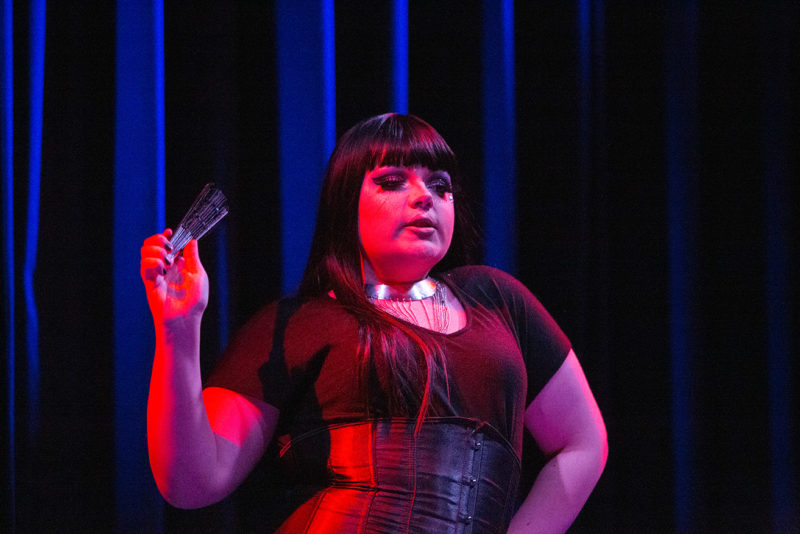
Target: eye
{"points": [[390, 182], [440, 185]]}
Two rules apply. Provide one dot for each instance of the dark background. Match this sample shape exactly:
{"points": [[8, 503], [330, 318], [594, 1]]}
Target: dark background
{"points": [[695, 442]]}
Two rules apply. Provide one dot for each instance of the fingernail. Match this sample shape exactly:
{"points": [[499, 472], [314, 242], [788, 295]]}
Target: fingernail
{"points": [[168, 247]]}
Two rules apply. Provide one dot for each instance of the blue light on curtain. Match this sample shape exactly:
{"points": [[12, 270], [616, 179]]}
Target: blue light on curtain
{"points": [[32, 228], [328, 80], [7, 140], [307, 114], [400, 56], [499, 134], [138, 212], [30, 222], [682, 175]]}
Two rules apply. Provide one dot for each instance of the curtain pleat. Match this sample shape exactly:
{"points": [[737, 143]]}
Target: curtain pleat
{"points": [[139, 190], [682, 175], [499, 135], [306, 119], [8, 266]]}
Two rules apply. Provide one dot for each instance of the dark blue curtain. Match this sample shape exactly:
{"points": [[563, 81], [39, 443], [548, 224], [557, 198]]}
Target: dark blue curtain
{"points": [[634, 164]]}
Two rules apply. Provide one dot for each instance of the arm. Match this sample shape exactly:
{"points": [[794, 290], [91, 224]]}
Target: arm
{"points": [[566, 423], [201, 444]]}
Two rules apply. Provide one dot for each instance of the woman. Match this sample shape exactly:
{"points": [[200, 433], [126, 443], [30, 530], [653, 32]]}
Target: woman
{"points": [[398, 397]]}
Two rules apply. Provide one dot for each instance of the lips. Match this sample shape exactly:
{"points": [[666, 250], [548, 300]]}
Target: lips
{"points": [[422, 223]]}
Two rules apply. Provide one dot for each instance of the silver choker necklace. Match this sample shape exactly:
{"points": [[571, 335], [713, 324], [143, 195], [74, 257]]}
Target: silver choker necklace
{"points": [[420, 290], [414, 305]]}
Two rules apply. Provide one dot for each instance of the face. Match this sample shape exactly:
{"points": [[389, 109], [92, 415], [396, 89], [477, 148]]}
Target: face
{"points": [[405, 222]]}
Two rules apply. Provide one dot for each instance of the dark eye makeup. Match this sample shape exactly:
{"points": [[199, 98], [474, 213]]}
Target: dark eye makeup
{"points": [[390, 182], [438, 182]]}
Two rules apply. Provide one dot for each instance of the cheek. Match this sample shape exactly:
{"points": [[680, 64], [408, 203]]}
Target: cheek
{"points": [[372, 223], [449, 216], [368, 214]]}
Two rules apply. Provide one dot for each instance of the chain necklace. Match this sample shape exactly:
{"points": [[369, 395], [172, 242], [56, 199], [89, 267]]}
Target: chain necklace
{"points": [[423, 304]]}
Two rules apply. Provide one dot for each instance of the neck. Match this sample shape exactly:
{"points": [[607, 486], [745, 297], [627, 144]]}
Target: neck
{"points": [[401, 281]]}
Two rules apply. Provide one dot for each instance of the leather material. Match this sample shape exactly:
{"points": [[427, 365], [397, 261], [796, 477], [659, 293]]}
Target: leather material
{"points": [[457, 476]]}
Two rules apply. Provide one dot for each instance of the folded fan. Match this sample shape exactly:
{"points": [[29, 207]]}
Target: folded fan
{"points": [[208, 209]]}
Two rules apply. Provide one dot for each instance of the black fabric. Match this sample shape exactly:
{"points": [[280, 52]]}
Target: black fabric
{"points": [[300, 356]]}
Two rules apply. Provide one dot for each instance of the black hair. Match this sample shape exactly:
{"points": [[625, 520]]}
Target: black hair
{"points": [[335, 262]]}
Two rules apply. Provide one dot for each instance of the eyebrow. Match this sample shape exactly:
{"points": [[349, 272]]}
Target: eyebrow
{"points": [[400, 169], [388, 170]]}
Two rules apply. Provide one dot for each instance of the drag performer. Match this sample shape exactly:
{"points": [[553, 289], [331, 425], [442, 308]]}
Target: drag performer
{"points": [[396, 385]]}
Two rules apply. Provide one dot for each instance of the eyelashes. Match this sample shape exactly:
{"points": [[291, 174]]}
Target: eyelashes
{"points": [[390, 182], [438, 184]]}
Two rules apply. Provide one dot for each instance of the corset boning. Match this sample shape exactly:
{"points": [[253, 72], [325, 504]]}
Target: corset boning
{"points": [[456, 476]]}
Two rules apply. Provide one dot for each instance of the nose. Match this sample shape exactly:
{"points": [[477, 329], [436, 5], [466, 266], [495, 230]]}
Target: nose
{"points": [[419, 195]]}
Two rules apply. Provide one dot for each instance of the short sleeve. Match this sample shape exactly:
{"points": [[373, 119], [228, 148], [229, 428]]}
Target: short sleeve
{"points": [[543, 344], [254, 363]]}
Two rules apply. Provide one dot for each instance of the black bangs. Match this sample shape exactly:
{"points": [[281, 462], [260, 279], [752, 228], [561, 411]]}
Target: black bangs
{"points": [[405, 141]]}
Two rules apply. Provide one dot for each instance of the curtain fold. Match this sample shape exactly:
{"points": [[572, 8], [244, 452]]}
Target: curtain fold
{"points": [[682, 175], [139, 196], [499, 134], [8, 266], [306, 96]]}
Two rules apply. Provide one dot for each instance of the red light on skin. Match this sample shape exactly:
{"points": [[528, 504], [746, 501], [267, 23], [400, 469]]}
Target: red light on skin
{"points": [[405, 220], [232, 416]]}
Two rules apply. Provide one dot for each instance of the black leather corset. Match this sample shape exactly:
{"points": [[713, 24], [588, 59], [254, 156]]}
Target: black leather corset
{"points": [[457, 476]]}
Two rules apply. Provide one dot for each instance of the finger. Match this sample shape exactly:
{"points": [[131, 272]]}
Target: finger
{"points": [[159, 240], [155, 251], [168, 236], [152, 269], [192, 256]]}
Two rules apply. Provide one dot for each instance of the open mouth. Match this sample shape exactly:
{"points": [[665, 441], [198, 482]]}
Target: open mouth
{"points": [[422, 223]]}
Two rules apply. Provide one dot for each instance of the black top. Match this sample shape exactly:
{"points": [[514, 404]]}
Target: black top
{"points": [[300, 355]]}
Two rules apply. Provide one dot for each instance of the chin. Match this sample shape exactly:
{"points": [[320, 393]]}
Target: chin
{"points": [[411, 265], [427, 253]]}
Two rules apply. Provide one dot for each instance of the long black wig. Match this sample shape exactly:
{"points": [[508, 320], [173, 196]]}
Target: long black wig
{"points": [[410, 360]]}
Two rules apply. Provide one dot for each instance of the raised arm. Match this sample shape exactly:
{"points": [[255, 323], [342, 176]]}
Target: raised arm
{"points": [[566, 423], [201, 444]]}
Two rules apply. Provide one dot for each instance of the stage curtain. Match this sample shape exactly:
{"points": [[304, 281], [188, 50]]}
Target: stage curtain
{"points": [[634, 164]]}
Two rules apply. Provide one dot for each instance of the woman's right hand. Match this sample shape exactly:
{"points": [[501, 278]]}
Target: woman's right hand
{"points": [[177, 290]]}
